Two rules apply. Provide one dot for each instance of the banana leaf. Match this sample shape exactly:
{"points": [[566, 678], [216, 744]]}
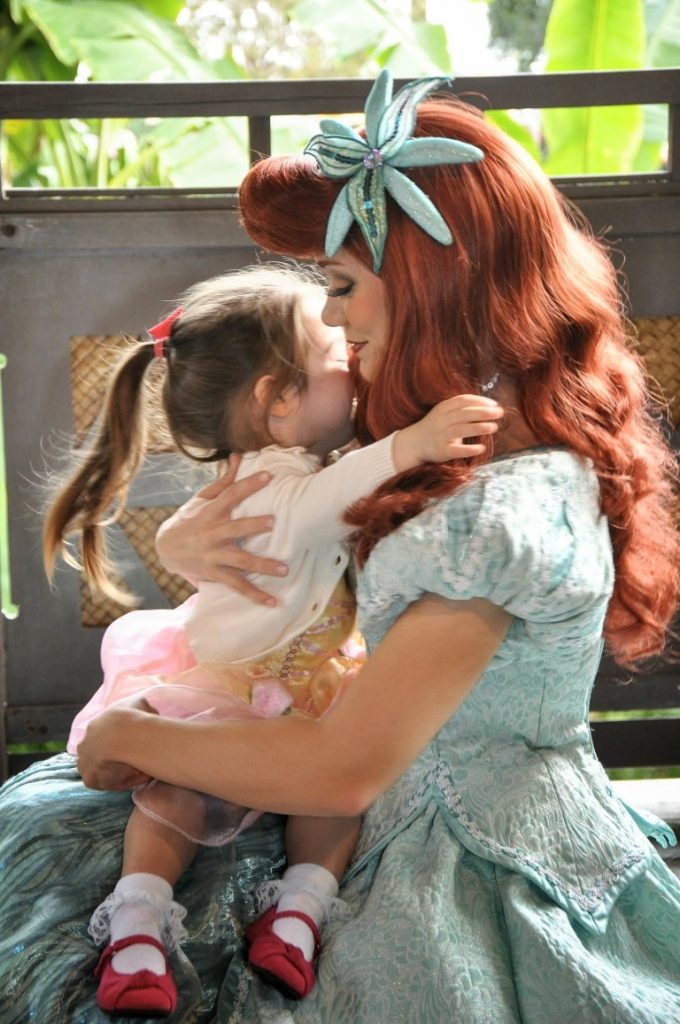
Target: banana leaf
{"points": [[594, 35]]}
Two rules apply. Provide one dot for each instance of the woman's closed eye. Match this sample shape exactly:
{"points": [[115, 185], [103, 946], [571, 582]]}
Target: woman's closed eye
{"points": [[336, 293]]}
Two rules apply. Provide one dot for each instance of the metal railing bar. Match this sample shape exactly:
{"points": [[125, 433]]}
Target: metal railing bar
{"points": [[104, 193], [35, 100], [674, 141], [595, 186]]}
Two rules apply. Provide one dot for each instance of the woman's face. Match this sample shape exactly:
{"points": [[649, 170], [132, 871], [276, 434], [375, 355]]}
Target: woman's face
{"points": [[355, 301]]}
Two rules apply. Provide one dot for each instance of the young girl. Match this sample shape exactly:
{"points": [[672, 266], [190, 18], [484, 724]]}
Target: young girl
{"points": [[251, 369]]}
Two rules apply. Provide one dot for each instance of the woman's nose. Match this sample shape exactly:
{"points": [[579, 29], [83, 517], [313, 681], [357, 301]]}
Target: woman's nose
{"points": [[332, 314]]}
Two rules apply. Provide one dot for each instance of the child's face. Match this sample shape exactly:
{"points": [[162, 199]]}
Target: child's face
{"points": [[324, 414]]}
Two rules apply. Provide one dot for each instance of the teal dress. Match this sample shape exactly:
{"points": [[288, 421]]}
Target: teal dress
{"points": [[499, 881]]}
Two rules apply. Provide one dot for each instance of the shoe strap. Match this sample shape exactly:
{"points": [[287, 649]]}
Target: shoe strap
{"points": [[129, 940], [306, 919]]}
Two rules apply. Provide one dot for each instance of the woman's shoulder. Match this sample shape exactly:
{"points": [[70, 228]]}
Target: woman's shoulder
{"points": [[525, 532], [523, 487], [533, 480], [526, 526], [537, 467]]}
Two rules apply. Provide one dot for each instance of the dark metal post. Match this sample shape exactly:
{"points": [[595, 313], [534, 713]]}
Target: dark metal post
{"points": [[259, 138]]}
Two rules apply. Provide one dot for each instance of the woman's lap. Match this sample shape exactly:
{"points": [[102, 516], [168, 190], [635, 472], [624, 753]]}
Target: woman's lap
{"points": [[439, 934], [436, 933]]}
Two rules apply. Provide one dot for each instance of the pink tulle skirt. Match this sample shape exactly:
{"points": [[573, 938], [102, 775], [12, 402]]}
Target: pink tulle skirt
{"points": [[146, 654]]}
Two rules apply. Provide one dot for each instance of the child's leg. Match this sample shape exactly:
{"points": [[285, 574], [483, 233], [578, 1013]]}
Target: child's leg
{"points": [[154, 857], [328, 842], [319, 850], [135, 979]]}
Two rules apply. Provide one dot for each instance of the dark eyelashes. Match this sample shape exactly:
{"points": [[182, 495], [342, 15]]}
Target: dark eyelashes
{"points": [[335, 293]]}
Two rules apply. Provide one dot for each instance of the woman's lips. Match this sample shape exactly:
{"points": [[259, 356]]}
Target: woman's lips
{"points": [[356, 346]]}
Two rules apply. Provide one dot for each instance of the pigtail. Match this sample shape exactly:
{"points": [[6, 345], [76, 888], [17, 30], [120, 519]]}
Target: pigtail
{"points": [[94, 495]]}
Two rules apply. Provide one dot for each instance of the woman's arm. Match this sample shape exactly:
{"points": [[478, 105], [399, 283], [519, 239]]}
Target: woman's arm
{"points": [[417, 677]]}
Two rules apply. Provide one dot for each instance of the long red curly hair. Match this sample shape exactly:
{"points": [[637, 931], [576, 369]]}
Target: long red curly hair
{"points": [[524, 290]]}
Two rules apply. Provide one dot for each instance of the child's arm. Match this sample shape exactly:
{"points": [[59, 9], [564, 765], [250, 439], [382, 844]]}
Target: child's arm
{"points": [[308, 509], [440, 435]]}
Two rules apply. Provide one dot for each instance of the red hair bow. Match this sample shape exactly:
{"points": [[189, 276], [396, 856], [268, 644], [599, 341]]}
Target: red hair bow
{"points": [[160, 332]]}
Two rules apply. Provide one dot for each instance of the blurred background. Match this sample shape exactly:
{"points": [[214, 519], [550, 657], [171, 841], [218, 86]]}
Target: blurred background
{"points": [[215, 40]]}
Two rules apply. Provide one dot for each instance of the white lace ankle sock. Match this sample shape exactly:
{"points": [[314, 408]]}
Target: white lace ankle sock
{"points": [[309, 889], [136, 916]]}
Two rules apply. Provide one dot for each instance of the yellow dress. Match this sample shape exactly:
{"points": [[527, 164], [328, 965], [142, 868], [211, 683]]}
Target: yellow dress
{"points": [[301, 677]]}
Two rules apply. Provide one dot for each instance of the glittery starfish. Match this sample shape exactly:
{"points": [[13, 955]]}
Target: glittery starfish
{"points": [[371, 165]]}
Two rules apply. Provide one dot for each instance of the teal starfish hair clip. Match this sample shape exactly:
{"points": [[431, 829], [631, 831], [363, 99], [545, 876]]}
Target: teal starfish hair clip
{"points": [[371, 164]]}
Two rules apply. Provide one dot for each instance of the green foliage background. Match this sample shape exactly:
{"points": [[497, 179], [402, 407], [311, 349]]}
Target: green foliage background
{"points": [[172, 40]]}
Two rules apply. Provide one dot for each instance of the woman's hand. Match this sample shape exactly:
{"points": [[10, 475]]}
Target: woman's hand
{"points": [[97, 762], [200, 541]]}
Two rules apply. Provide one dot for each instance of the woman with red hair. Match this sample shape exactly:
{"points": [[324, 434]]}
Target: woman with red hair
{"points": [[497, 878]]}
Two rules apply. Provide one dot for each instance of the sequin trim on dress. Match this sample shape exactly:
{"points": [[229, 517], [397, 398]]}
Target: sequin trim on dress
{"points": [[589, 900], [241, 996]]}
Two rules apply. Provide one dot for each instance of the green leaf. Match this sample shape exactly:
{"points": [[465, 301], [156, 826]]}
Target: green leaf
{"points": [[350, 26], [655, 134], [214, 154], [592, 140], [647, 158], [163, 8], [408, 48], [663, 33], [290, 134], [119, 41], [16, 10], [433, 40], [37, 63], [407, 58], [593, 35]]}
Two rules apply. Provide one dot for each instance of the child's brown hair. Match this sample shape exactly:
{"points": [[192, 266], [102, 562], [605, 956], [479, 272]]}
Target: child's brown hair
{"points": [[232, 330]]}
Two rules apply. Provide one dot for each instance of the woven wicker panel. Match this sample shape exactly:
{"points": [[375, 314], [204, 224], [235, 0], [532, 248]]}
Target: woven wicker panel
{"points": [[140, 526], [93, 359], [658, 342], [97, 610]]}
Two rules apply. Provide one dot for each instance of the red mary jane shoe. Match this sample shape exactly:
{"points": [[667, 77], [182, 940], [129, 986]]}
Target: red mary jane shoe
{"points": [[142, 994], [281, 965]]}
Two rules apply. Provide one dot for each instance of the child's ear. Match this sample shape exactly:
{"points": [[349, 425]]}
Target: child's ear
{"points": [[284, 404]]}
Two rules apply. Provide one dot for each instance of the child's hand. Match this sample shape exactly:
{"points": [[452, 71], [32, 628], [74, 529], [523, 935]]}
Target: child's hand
{"points": [[440, 436]]}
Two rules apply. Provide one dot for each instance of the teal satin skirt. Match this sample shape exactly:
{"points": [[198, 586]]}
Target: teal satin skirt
{"points": [[60, 855]]}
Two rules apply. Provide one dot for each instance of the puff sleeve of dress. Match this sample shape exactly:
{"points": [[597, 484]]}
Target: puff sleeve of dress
{"points": [[526, 533]]}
